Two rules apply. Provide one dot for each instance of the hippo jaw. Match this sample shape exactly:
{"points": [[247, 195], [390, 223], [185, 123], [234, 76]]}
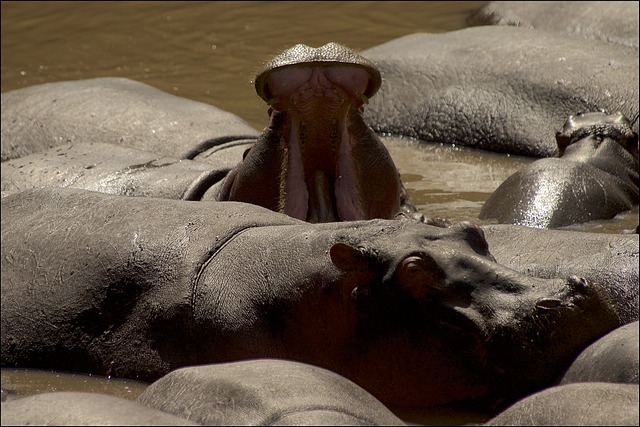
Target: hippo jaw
{"points": [[318, 160]]}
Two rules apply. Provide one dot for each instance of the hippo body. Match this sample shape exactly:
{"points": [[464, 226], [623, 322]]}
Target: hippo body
{"points": [[585, 404], [111, 169], [613, 358], [254, 392], [135, 283], [84, 409], [610, 21], [595, 178], [114, 111], [265, 392], [449, 88]]}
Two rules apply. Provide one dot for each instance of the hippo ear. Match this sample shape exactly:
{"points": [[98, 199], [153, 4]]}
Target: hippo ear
{"points": [[347, 257]]}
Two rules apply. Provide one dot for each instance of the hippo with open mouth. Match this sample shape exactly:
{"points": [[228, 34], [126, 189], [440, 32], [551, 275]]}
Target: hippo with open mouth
{"points": [[318, 160]]}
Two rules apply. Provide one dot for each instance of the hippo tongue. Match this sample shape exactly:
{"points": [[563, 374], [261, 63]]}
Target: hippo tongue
{"points": [[315, 199], [321, 204]]}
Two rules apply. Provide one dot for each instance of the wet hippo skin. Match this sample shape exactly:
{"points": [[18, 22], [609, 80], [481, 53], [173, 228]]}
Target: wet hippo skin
{"points": [[498, 88], [613, 358], [111, 169], [575, 404], [74, 408], [116, 111], [596, 177], [265, 392], [144, 286]]}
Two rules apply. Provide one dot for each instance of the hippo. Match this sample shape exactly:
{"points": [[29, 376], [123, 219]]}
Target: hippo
{"points": [[498, 88], [113, 169], [78, 408], [250, 392], [610, 21], [613, 358], [265, 392], [595, 177], [318, 160], [132, 294], [117, 111], [586, 404]]}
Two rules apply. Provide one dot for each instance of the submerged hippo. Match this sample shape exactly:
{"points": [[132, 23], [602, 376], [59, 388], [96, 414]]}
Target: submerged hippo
{"points": [[596, 177], [318, 160], [415, 314]]}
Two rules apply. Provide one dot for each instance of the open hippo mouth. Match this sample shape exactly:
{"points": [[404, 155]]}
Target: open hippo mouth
{"points": [[321, 173], [318, 160]]}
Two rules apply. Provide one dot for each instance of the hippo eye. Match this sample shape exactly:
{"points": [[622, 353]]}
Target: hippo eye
{"points": [[419, 275]]}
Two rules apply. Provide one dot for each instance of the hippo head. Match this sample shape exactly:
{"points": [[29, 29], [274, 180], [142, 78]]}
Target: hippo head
{"points": [[437, 320], [318, 160], [596, 127]]}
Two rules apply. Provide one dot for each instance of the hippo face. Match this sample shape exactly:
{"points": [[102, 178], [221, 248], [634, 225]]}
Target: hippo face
{"points": [[318, 160], [596, 127], [355, 74], [468, 326]]}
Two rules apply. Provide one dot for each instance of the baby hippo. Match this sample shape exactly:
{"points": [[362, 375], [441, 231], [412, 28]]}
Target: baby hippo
{"points": [[318, 160]]}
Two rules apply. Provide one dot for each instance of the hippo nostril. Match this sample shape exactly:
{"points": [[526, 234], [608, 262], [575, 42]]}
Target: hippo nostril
{"points": [[548, 304], [579, 284]]}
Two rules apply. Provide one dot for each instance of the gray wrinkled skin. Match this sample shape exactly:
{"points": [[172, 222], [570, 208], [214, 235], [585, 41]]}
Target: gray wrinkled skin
{"points": [[613, 358], [610, 21], [265, 392], [596, 177], [610, 260], [115, 111], [83, 409], [498, 88], [110, 169], [575, 404], [493, 112]]}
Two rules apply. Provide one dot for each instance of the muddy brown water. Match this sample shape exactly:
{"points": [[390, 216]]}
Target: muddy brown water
{"points": [[209, 52]]}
